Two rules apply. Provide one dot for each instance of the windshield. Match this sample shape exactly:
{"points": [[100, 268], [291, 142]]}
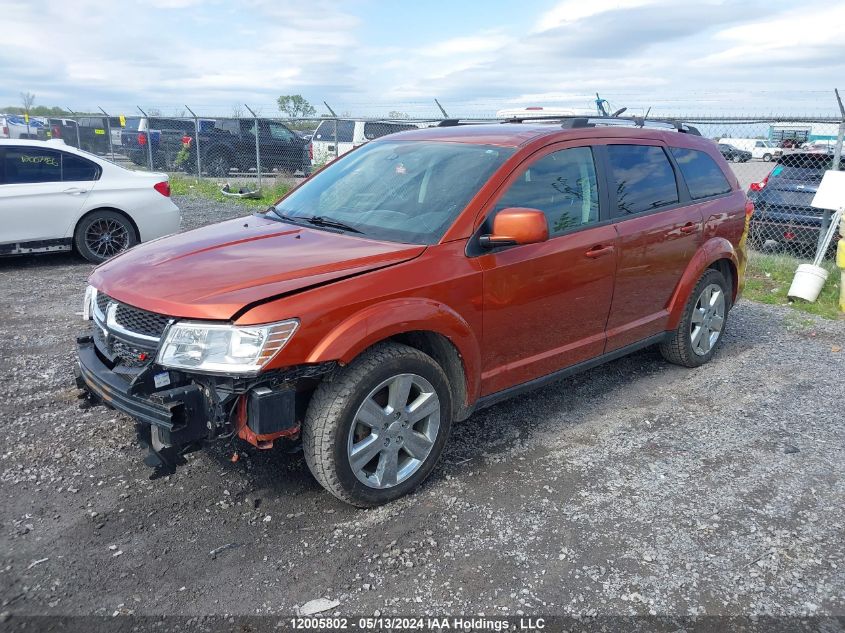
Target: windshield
{"points": [[396, 191]]}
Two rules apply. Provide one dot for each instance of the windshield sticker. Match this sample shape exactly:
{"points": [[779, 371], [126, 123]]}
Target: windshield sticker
{"points": [[46, 160]]}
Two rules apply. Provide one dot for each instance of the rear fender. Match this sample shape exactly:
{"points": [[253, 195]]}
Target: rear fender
{"points": [[398, 316], [712, 250]]}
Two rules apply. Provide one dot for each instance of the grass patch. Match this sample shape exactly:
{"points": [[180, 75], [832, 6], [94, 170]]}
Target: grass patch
{"points": [[768, 277], [181, 185]]}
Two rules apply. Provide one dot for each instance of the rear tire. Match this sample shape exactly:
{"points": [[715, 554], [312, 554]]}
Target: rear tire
{"points": [[767, 158], [101, 235], [701, 330], [392, 408]]}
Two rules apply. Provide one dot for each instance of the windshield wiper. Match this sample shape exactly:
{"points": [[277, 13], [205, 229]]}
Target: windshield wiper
{"points": [[319, 220], [282, 215]]}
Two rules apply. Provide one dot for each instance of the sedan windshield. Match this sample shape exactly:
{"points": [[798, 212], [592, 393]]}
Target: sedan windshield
{"points": [[396, 191]]}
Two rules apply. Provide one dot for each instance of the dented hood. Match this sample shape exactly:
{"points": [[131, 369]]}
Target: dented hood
{"points": [[215, 271]]}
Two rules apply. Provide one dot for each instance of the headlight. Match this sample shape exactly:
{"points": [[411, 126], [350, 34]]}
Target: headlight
{"points": [[223, 348], [88, 303]]}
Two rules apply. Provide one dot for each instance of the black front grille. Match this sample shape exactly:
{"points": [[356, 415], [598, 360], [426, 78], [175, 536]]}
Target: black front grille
{"points": [[135, 319], [140, 321], [102, 302]]}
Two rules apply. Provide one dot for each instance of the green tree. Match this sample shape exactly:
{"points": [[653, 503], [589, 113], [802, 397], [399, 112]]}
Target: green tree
{"points": [[296, 106]]}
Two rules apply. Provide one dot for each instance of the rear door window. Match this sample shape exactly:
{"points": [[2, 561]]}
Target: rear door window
{"points": [[326, 131], [642, 177], [24, 165], [562, 185], [76, 168], [701, 173]]}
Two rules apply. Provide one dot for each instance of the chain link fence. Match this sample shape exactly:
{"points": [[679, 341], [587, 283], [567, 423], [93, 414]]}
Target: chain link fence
{"points": [[779, 161]]}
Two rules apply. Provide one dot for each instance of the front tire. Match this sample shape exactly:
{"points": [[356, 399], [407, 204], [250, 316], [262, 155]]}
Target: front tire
{"points": [[375, 430], [699, 333], [103, 234], [767, 158]]}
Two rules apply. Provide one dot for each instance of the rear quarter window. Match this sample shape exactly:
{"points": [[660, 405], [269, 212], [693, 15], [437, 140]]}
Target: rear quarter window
{"points": [[643, 178], [76, 168], [701, 173]]}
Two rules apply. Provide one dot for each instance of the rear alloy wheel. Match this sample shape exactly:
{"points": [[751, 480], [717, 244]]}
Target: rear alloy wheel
{"points": [[375, 430], [104, 234], [699, 333], [737, 158]]}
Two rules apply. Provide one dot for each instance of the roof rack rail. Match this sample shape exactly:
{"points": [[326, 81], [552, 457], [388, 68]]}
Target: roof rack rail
{"points": [[581, 121]]}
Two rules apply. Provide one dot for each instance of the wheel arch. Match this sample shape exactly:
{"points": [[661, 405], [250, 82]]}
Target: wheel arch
{"points": [[424, 324], [717, 253], [106, 208], [444, 352]]}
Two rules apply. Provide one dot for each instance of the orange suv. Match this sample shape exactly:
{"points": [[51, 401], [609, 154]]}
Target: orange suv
{"points": [[415, 280]]}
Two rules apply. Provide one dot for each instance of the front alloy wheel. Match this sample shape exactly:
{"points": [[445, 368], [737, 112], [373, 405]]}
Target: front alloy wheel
{"points": [[394, 431], [375, 429]]}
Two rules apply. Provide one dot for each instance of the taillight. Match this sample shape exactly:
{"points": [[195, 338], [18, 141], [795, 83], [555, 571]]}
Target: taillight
{"points": [[759, 186], [186, 141], [310, 151], [5, 131], [56, 131], [142, 139], [163, 188]]}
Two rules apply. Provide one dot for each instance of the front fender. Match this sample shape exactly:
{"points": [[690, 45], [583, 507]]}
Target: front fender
{"points": [[712, 250], [384, 320]]}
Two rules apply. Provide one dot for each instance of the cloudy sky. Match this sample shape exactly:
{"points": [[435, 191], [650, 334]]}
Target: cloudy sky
{"points": [[370, 56]]}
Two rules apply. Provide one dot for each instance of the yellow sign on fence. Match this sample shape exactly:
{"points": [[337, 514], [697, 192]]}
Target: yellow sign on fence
{"points": [[122, 121]]}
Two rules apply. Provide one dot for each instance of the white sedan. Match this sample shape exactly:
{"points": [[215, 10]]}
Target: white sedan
{"points": [[54, 197]]}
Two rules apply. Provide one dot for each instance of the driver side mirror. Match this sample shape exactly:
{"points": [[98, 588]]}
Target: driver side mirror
{"points": [[516, 226]]}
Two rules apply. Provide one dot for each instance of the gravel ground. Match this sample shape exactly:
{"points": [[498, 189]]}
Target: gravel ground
{"points": [[638, 487]]}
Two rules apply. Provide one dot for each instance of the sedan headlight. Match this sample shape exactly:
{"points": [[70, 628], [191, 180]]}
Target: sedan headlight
{"points": [[223, 349]]}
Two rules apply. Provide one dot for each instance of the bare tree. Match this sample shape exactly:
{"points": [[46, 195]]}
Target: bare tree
{"points": [[237, 112], [27, 99]]}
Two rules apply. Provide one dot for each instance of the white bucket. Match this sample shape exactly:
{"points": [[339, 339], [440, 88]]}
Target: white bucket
{"points": [[808, 282]]}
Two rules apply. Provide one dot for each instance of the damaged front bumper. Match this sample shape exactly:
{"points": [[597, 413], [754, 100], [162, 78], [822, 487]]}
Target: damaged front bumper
{"points": [[178, 411]]}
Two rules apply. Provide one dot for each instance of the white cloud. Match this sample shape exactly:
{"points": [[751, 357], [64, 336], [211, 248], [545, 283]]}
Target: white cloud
{"points": [[211, 54]]}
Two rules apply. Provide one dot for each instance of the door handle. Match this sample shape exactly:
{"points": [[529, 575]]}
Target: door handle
{"points": [[689, 227], [74, 191], [599, 251]]}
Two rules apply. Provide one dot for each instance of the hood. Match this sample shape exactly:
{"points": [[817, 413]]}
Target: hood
{"points": [[215, 271]]}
